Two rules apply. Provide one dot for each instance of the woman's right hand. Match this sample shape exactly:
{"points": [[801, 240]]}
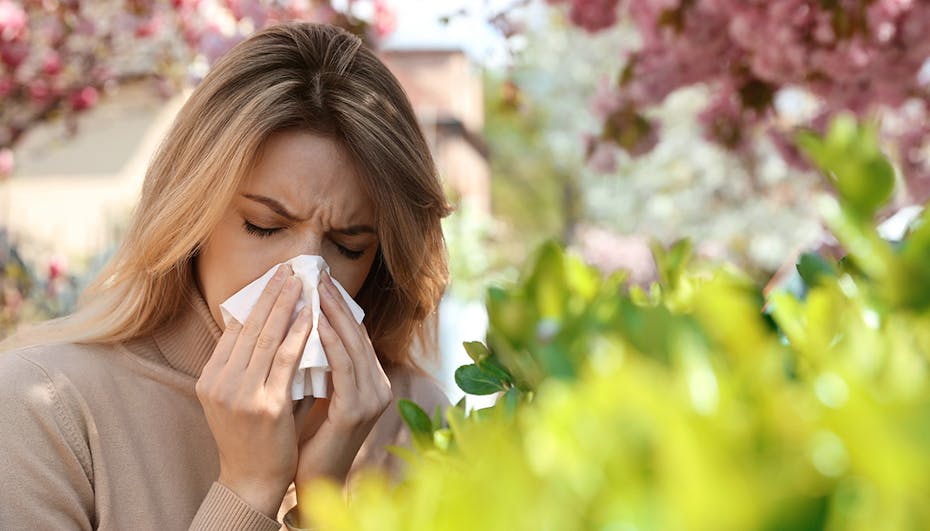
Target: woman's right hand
{"points": [[245, 392]]}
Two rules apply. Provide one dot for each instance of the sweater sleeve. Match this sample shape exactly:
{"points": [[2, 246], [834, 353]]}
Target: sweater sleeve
{"points": [[223, 510], [45, 465]]}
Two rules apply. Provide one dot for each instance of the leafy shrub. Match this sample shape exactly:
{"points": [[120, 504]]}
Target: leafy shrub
{"points": [[696, 404]]}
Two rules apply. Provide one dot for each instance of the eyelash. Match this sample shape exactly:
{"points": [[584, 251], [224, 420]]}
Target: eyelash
{"points": [[264, 233]]}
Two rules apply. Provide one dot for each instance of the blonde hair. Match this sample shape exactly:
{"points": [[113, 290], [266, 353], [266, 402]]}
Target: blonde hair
{"points": [[313, 77]]}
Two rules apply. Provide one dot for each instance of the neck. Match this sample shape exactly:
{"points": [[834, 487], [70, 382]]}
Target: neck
{"points": [[188, 339]]}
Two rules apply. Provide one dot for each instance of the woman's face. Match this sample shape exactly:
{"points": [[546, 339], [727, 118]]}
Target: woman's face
{"points": [[302, 197]]}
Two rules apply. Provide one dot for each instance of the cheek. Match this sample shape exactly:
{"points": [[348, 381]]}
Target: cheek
{"points": [[350, 273], [228, 262]]}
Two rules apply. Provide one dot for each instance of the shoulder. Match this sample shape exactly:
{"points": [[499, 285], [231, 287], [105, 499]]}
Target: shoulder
{"points": [[413, 384], [72, 361], [39, 399], [56, 376]]}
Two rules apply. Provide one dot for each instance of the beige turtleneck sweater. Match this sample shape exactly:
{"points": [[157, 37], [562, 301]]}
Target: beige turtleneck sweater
{"points": [[114, 437]]}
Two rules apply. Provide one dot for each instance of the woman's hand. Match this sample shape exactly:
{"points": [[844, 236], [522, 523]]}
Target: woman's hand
{"points": [[335, 428], [245, 392]]}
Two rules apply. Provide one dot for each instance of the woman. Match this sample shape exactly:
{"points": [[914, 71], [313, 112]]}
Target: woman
{"points": [[141, 410]]}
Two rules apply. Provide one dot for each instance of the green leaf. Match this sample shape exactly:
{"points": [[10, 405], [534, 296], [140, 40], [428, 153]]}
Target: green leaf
{"points": [[402, 452], [850, 155], [548, 281], [442, 438], [842, 132], [474, 381], [800, 514], [417, 420], [492, 366], [671, 263], [812, 267], [510, 314], [510, 400], [460, 404], [476, 350]]}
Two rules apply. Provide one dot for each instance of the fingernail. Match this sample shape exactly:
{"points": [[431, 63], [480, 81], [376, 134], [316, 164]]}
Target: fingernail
{"points": [[280, 272]]}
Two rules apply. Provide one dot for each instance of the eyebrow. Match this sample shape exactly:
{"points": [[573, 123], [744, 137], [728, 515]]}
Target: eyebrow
{"points": [[279, 209]]}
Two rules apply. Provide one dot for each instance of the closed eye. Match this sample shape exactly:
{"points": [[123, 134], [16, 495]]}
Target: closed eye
{"points": [[261, 232], [349, 253]]}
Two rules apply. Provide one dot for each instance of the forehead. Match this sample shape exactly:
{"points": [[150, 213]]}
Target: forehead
{"points": [[307, 172]]}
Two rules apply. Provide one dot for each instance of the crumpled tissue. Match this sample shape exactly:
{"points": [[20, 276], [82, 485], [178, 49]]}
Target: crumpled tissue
{"points": [[310, 378]]}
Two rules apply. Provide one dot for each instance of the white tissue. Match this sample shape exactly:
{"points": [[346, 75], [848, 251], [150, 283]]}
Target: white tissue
{"points": [[310, 378]]}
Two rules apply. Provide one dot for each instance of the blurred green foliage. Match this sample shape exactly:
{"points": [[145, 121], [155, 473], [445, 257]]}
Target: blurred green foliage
{"points": [[695, 404], [535, 195]]}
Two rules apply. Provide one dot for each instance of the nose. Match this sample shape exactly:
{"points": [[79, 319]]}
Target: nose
{"points": [[310, 242]]}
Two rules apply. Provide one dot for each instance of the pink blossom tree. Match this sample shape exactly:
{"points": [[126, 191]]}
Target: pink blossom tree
{"points": [[868, 57], [59, 57]]}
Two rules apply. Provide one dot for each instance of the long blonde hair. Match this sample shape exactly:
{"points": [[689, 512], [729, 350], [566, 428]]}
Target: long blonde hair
{"points": [[314, 77]]}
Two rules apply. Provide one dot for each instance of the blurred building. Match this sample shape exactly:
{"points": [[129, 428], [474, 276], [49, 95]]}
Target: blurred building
{"points": [[70, 195], [446, 90]]}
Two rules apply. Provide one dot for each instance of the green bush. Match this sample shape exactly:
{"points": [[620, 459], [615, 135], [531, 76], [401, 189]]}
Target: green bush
{"points": [[696, 404]]}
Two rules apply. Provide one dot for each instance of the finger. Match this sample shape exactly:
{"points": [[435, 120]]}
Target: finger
{"points": [[279, 320], [223, 347], [287, 357], [344, 378], [341, 319], [377, 378], [353, 334], [255, 321]]}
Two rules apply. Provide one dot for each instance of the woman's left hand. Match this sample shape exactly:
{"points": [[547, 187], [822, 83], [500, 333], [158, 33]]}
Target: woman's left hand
{"points": [[334, 429]]}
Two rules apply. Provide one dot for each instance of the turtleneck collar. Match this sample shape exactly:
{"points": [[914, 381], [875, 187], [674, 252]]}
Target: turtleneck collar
{"points": [[187, 340]]}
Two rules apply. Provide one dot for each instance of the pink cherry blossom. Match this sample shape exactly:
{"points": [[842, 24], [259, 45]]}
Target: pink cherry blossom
{"points": [[606, 100], [83, 98], [56, 268], [250, 9], [58, 56], [385, 19], [51, 63], [150, 27], [593, 15], [13, 21], [862, 57], [6, 86], [40, 91], [12, 54], [6, 162], [214, 43]]}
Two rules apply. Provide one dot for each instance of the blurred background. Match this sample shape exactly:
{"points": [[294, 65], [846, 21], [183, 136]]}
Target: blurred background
{"points": [[604, 125]]}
